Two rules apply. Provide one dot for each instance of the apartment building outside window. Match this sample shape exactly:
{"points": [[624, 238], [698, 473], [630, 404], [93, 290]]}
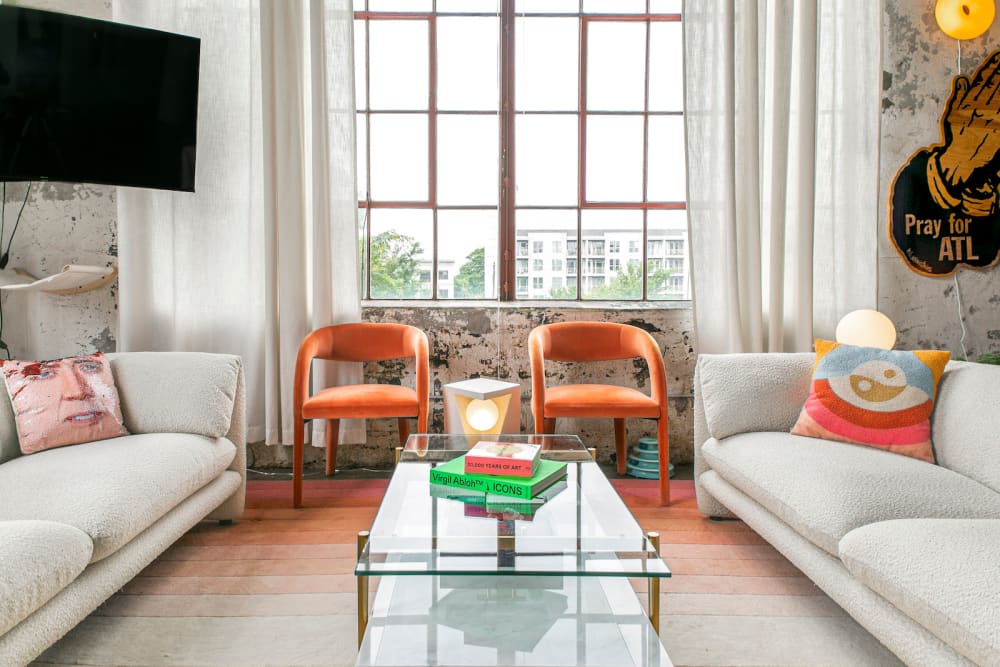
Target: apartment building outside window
{"points": [[496, 131]]}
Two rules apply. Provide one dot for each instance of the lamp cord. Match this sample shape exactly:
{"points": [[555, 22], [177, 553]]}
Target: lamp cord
{"points": [[961, 318], [958, 289]]}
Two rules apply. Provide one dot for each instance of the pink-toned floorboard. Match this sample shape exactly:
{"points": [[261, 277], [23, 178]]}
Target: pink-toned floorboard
{"points": [[280, 576]]}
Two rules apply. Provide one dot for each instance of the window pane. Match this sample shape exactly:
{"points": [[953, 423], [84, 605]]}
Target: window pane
{"points": [[614, 159], [466, 6], [546, 160], [616, 66], [669, 276], [609, 271], [665, 6], [468, 163], [401, 253], [551, 236], [666, 67], [360, 36], [362, 135], [359, 5], [399, 157], [666, 159], [399, 5], [467, 62], [467, 250], [398, 69], [546, 58], [614, 6], [547, 6]]}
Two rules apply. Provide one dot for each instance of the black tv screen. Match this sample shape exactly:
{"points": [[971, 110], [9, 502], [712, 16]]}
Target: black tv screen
{"points": [[89, 101]]}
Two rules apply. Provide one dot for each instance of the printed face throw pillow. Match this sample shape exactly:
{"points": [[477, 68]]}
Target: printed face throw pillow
{"points": [[874, 397], [63, 401]]}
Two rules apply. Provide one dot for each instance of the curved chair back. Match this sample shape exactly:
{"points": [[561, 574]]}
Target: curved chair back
{"points": [[364, 341]]}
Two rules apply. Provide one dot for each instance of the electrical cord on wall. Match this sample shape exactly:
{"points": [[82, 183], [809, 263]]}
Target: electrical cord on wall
{"points": [[961, 318]]}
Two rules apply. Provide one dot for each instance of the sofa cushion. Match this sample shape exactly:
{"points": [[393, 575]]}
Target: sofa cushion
{"points": [[869, 396], [37, 560], [63, 401], [967, 438], [176, 392], [826, 489], [942, 573], [111, 489], [777, 384]]}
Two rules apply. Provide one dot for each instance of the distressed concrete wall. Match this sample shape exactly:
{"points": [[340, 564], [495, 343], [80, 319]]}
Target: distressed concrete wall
{"points": [[492, 342], [919, 62], [63, 223]]}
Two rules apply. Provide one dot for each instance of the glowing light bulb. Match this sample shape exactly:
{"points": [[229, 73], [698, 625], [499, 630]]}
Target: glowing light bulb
{"points": [[481, 415], [868, 328], [964, 19]]}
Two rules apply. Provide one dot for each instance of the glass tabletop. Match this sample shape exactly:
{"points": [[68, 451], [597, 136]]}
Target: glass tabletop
{"points": [[578, 527]]}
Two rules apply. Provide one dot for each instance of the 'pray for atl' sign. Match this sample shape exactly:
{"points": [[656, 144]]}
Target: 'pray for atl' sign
{"points": [[944, 210]]}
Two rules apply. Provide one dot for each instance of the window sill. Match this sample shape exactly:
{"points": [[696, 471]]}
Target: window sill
{"points": [[528, 304]]}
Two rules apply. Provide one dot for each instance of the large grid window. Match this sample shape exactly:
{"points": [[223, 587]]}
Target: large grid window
{"points": [[502, 144]]}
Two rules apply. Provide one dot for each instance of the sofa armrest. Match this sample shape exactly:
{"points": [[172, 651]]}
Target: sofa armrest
{"points": [[186, 392], [742, 393]]}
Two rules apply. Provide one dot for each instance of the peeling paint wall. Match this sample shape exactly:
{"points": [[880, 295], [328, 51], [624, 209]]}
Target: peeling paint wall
{"points": [[919, 63], [63, 223], [492, 342]]}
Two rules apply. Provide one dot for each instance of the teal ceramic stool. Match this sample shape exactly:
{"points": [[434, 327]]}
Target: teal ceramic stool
{"points": [[644, 460]]}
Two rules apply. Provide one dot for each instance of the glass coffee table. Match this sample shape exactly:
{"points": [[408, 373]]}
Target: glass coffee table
{"points": [[460, 585]]}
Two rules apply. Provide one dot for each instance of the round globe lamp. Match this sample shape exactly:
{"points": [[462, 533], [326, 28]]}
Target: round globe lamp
{"points": [[867, 328], [964, 19], [482, 415]]}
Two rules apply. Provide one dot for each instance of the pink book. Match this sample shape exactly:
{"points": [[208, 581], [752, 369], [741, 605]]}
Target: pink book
{"points": [[509, 459]]}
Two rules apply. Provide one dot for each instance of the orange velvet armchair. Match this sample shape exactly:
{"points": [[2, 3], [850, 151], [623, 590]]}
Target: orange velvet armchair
{"points": [[600, 341], [361, 341]]}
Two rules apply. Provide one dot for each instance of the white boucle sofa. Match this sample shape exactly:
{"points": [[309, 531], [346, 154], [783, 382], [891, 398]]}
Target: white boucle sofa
{"points": [[78, 522], [909, 549]]}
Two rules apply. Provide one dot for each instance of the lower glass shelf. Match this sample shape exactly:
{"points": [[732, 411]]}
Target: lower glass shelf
{"points": [[473, 621]]}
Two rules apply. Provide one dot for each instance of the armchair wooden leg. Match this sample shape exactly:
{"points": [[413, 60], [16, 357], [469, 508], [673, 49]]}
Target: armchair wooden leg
{"points": [[620, 444], [663, 445], [404, 430], [549, 424], [332, 437], [297, 463]]}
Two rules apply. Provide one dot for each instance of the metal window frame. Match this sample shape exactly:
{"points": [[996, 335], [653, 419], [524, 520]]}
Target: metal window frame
{"points": [[507, 113]]}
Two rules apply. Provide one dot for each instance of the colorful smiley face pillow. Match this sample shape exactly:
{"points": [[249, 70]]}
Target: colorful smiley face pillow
{"points": [[868, 396]]}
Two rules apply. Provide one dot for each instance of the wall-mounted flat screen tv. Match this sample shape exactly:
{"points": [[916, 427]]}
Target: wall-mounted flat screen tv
{"points": [[89, 101]]}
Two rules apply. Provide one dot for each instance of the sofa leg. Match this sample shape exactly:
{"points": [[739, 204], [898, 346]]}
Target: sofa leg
{"points": [[720, 519], [225, 522]]}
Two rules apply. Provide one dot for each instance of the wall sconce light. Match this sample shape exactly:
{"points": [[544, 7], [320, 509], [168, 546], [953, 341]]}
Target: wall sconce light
{"points": [[964, 19], [482, 406], [868, 328]]}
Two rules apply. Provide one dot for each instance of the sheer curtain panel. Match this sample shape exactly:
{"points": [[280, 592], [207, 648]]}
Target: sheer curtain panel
{"points": [[782, 110], [274, 213]]}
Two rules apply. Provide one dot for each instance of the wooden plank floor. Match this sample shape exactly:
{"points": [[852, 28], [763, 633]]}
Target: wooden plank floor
{"points": [[277, 588]]}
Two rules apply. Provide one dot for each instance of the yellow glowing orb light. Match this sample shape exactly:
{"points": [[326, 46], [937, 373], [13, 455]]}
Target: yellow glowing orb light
{"points": [[482, 415], [964, 19], [868, 328]]}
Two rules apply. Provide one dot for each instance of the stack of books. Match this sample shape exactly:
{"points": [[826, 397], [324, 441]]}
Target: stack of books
{"points": [[499, 479]]}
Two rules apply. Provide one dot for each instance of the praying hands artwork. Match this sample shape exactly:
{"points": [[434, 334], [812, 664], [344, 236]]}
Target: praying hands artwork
{"points": [[944, 208]]}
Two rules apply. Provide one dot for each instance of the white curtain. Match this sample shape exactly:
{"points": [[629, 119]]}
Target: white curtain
{"points": [[266, 249], [782, 111]]}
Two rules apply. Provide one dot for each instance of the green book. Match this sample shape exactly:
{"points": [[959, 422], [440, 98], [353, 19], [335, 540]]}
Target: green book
{"points": [[453, 474]]}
